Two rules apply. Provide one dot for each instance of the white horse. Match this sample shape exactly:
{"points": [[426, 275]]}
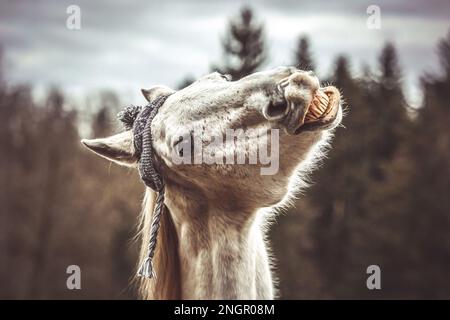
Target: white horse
{"points": [[212, 240]]}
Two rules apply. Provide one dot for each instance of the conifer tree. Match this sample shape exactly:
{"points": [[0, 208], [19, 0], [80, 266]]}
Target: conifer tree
{"points": [[303, 56], [244, 47], [388, 107]]}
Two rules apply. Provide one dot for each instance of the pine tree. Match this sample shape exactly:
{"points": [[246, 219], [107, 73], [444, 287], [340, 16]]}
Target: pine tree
{"points": [[303, 56], [444, 56], [244, 47], [388, 107], [429, 221], [342, 76], [389, 66]]}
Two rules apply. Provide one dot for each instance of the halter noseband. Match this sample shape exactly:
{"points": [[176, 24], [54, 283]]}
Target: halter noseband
{"points": [[140, 120]]}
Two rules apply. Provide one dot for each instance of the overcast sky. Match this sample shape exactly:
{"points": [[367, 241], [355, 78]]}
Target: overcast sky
{"points": [[126, 45]]}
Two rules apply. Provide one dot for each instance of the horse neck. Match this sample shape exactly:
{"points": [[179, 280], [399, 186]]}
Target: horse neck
{"points": [[222, 254]]}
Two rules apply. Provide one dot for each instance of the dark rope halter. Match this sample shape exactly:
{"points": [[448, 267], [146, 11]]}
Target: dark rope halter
{"points": [[140, 120]]}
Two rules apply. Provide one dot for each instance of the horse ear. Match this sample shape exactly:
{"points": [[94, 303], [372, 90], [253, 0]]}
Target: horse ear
{"points": [[156, 91], [117, 148]]}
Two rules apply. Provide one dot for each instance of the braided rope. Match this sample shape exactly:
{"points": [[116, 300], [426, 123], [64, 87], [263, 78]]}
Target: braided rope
{"points": [[140, 120], [146, 270]]}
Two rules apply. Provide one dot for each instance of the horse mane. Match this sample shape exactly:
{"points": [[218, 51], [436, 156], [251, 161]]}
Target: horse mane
{"points": [[167, 283]]}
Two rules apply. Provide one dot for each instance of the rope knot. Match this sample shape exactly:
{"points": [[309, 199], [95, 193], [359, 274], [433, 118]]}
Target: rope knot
{"points": [[146, 270], [128, 115]]}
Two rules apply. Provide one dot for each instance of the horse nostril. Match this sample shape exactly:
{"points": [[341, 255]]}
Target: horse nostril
{"points": [[276, 109]]}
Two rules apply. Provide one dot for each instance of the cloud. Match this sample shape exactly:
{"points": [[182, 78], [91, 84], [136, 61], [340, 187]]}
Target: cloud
{"points": [[129, 44]]}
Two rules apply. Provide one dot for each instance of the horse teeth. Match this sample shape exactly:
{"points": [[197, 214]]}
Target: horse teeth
{"points": [[321, 106], [318, 106]]}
